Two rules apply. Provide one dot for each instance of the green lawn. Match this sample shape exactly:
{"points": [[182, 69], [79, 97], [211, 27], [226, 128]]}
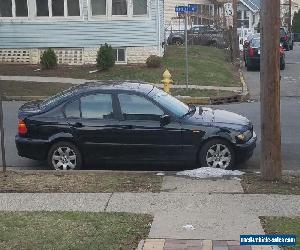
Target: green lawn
{"points": [[72, 230], [282, 225], [253, 184], [78, 182], [207, 66]]}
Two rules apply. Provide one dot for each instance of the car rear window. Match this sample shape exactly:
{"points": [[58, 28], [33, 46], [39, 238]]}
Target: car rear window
{"points": [[282, 32], [255, 43], [58, 98]]}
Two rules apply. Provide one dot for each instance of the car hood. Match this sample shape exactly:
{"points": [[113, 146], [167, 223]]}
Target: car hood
{"points": [[219, 117]]}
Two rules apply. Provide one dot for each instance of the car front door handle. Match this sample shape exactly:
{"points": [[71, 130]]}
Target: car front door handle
{"points": [[77, 125]]}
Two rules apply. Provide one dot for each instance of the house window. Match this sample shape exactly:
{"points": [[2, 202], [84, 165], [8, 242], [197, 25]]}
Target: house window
{"points": [[243, 19], [13, 8], [140, 7], [73, 8], [98, 7], [119, 7], [21, 8], [57, 8], [120, 55], [42, 8], [5, 8]]}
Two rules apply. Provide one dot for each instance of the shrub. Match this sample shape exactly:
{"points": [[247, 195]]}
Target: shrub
{"points": [[105, 57], [153, 61], [49, 59]]}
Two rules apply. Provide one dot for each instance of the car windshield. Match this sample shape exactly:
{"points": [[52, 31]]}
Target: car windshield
{"points": [[171, 103], [255, 43], [49, 102]]}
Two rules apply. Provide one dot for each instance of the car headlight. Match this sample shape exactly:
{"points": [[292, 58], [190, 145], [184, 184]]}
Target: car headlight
{"points": [[244, 137]]}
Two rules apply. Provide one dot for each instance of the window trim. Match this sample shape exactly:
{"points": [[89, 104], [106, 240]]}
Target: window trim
{"points": [[121, 62], [143, 15], [14, 10], [32, 13], [109, 16]]}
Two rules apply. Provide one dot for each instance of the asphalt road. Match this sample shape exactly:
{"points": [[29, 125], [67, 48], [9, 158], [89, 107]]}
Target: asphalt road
{"points": [[290, 117]]}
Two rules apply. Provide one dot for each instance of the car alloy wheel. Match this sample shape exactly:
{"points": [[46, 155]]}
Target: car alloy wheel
{"points": [[218, 156], [64, 156]]}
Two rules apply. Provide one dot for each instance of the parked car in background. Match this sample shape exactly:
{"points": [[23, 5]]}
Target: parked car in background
{"points": [[130, 122], [287, 39], [198, 35], [253, 51]]}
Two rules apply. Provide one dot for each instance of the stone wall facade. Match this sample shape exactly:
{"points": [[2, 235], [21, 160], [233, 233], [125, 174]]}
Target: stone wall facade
{"points": [[75, 56]]}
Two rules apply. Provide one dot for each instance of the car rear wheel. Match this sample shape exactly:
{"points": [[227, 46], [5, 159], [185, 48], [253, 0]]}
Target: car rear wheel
{"points": [[64, 156], [177, 41], [217, 153]]}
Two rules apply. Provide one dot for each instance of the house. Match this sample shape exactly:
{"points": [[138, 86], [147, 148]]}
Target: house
{"points": [[285, 12], [206, 14], [248, 16], [76, 29]]}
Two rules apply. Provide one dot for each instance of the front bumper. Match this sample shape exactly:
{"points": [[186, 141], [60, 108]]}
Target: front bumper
{"points": [[32, 148], [245, 151]]}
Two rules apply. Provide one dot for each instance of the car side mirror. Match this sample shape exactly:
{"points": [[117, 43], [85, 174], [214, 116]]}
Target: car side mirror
{"points": [[165, 120]]}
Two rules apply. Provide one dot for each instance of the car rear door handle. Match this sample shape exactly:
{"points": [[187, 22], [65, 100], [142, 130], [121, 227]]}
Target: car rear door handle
{"points": [[77, 125], [127, 126]]}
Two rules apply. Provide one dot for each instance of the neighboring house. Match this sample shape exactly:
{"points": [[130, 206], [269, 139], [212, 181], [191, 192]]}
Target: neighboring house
{"points": [[248, 16], [284, 10], [207, 11], [77, 28]]}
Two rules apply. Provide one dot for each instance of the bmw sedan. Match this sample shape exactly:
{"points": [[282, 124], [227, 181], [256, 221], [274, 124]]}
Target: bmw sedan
{"points": [[122, 122]]}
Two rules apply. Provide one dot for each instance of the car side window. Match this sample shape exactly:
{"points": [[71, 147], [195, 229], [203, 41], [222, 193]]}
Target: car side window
{"points": [[135, 107], [96, 106], [72, 109]]}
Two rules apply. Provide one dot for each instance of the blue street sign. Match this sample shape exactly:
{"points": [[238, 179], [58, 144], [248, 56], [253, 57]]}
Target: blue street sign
{"points": [[186, 9]]}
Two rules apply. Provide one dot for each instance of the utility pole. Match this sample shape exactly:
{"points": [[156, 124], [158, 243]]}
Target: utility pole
{"points": [[235, 39], [270, 165], [290, 16]]}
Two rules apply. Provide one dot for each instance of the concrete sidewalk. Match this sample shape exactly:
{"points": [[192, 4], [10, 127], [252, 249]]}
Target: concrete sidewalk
{"points": [[43, 79], [213, 212]]}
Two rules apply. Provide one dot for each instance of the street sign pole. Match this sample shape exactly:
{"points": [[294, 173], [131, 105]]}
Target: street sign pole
{"points": [[2, 136], [186, 54]]}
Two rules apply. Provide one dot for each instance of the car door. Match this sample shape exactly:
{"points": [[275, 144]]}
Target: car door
{"points": [[94, 125], [148, 139]]}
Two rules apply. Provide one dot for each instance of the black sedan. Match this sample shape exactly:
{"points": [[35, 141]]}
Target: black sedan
{"points": [[130, 122]]}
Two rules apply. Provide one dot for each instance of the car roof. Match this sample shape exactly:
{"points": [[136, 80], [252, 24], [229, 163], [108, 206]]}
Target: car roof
{"points": [[132, 86]]}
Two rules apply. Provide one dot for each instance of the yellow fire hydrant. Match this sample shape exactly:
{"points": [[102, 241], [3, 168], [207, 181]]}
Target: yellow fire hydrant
{"points": [[167, 81]]}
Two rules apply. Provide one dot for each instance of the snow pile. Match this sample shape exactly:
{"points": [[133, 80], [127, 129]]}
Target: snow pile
{"points": [[189, 227], [210, 173]]}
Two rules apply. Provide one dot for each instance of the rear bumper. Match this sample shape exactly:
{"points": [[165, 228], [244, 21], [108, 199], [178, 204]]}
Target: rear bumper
{"points": [[32, 148], [253, 61], [245, 151]]}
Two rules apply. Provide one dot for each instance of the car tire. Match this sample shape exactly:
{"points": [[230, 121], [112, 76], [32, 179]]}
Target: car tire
{"points": [[177, 41], [292, 47], [64, 156], [214, 151], [249, 67], [282, 65]]}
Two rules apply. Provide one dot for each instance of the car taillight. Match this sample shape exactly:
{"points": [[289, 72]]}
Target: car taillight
{"points": [[251, 52], [281, 50], [286, 38], [22, 129]]}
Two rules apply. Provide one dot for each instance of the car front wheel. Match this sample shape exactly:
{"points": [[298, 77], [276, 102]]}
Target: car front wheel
{"points": [[217, 153], [64, 156]]}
